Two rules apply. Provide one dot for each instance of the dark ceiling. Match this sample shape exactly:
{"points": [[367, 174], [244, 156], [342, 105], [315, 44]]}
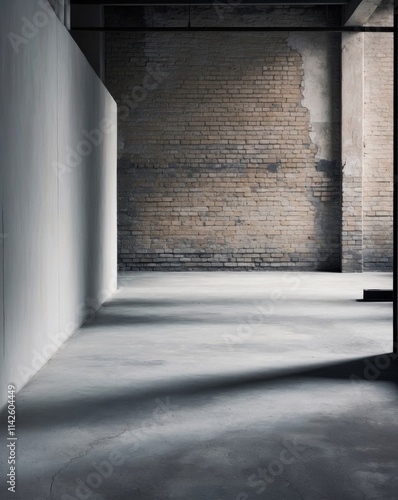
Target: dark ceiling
{"points": [[351, 13], [240, 3]]}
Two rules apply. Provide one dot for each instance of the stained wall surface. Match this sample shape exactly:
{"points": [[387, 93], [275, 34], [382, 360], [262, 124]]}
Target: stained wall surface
{"points": [[228, 143], [230, 147]]}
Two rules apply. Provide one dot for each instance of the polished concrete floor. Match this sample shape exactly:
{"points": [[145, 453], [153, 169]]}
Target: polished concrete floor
{"points": [[218, 386]]}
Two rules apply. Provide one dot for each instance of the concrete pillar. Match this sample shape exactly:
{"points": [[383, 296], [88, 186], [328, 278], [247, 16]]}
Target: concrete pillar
{"points": [[352, 150]]}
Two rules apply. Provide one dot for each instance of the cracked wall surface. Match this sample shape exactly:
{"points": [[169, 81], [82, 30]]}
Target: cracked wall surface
{"points": [[221, 150], [229, 144]]}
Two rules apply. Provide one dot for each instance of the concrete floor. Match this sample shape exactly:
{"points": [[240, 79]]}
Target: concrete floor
{"points": [[213, 386]]}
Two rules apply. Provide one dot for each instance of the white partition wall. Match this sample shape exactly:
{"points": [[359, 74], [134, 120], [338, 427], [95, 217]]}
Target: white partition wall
{"points": [[58, 196]]}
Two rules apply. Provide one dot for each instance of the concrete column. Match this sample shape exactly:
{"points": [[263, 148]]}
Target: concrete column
{"points": [[352, 150]]}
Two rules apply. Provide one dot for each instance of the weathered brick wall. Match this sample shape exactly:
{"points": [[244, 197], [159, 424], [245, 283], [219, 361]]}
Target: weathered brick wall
{"points": [[224, 161], [378, 144]]}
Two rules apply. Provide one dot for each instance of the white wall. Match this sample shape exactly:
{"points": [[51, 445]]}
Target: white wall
{"points": [[58, 196]]}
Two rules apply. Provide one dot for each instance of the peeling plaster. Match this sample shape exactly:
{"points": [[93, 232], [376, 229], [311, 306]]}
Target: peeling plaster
{"points": [[317, 53]]}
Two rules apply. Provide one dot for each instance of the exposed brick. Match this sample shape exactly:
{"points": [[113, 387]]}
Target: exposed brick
{"points": [[378, 141], [217, 165]]}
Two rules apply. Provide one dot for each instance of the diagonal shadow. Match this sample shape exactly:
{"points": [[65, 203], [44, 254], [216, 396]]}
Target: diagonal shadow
{"points": [[98, 407], [228, 317], [202, 300]]}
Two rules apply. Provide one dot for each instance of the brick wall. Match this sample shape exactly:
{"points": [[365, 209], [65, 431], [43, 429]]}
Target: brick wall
{"points": [[378, 144], [223, 160]]}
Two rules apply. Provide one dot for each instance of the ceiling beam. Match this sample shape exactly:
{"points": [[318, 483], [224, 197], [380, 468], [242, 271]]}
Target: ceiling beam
{"points": [[232, 3], [358, 12], [310, 29]]}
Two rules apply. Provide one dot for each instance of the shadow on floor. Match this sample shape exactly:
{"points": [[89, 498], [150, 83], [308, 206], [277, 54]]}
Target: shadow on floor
{"points": [[94, 405]]}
